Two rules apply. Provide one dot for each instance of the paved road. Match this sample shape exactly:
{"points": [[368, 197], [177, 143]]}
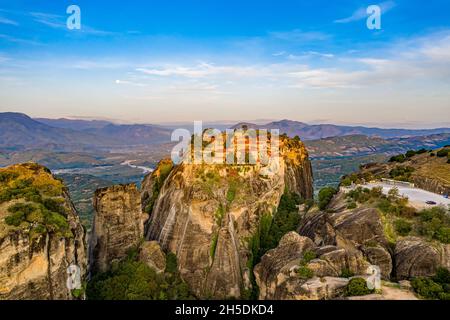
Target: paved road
{"points": [[417, 197]]}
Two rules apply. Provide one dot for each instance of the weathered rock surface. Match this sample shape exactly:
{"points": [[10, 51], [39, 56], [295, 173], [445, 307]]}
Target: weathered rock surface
{"points": [[33, 266], [118, 225], [415, 257], [151, 254], [152, 183], [334, 262], [379, 256], [277, 265], [277, 278], [206, 215], [357, 230]]}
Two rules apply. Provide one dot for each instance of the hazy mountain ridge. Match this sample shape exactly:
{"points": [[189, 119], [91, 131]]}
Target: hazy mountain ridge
{"points": [[18, 131], [321, 131], [358, 145]]}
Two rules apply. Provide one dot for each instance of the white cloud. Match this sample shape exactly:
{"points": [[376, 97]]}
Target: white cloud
{"points": [[4, 20], [202, 70], [361, 13], [424, 59], [298, 35], [280, 53]]}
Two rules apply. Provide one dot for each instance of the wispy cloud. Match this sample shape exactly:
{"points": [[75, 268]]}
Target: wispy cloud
{"points": [[201, 70], [298, 35], [361, 13], [4, 20], [59, 22], [427, 58], [18, 40]]}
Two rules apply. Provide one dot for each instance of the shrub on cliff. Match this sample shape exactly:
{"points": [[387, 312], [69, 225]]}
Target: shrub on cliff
{"points": [[436, 287], [38, 218], [134, 280], [325, 196], [427, 288], [357, 287], [401, 173], [443, 153], [402, 227], [398, 158], [435, 224]]}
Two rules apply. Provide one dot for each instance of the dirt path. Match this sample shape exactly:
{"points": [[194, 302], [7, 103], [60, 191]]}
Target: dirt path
{"points": [[392, 293]]}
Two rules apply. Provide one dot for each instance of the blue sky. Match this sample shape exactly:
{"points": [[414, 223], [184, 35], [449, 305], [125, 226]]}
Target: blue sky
{"points": [[166, 61]]}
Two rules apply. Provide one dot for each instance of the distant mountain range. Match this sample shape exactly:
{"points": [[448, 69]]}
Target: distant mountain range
{"points": [[360, 145], [320, 131], [19, 131]]}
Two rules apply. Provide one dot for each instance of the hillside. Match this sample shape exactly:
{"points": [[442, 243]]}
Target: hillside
{"points": [[320, 131], [429, 170], [360, 145], [18, 131]]}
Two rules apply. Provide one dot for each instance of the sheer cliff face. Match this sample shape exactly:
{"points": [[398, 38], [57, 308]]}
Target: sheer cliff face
{"points": [[118, 225], [207, 214], [40, 235]]}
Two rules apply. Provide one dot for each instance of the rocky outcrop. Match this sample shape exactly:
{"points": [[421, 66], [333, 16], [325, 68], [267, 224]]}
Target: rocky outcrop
{"points": [[360, 231], [415, 257], [118, 225], [279, 264], [379, 256], [207, 214], [151, 254], [333, 263], [35, 252], [152, 183], [277, 273], [432, 185]]}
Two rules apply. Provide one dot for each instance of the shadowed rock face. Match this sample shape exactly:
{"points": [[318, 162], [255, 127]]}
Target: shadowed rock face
{"points": [[118, 225], [277, 275], [415, 257], [33, 266], [206, 215], [358, 230]]}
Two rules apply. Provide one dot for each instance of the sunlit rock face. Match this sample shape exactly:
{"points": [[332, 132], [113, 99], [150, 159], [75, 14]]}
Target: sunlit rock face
{"points": [[41, 239], [207, 213], [118, 225]]}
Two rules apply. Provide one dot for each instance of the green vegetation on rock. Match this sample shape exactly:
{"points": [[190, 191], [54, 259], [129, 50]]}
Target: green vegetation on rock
{"points": [[131, 279], [160, 175], [436, 287], [357, 287], [401, 173], [325, 196], [38, 203]]}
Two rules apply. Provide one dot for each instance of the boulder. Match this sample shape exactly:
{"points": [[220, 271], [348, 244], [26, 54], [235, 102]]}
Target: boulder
{"points": [[278, 266], [416, 257], [334, 262], [379, 256], [361, 226], [151, 254], [317, 289]]}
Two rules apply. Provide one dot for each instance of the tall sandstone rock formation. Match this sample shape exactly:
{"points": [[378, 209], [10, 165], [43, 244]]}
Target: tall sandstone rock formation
{"points": [[118, 225], [208, 214], [40, 235]]}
